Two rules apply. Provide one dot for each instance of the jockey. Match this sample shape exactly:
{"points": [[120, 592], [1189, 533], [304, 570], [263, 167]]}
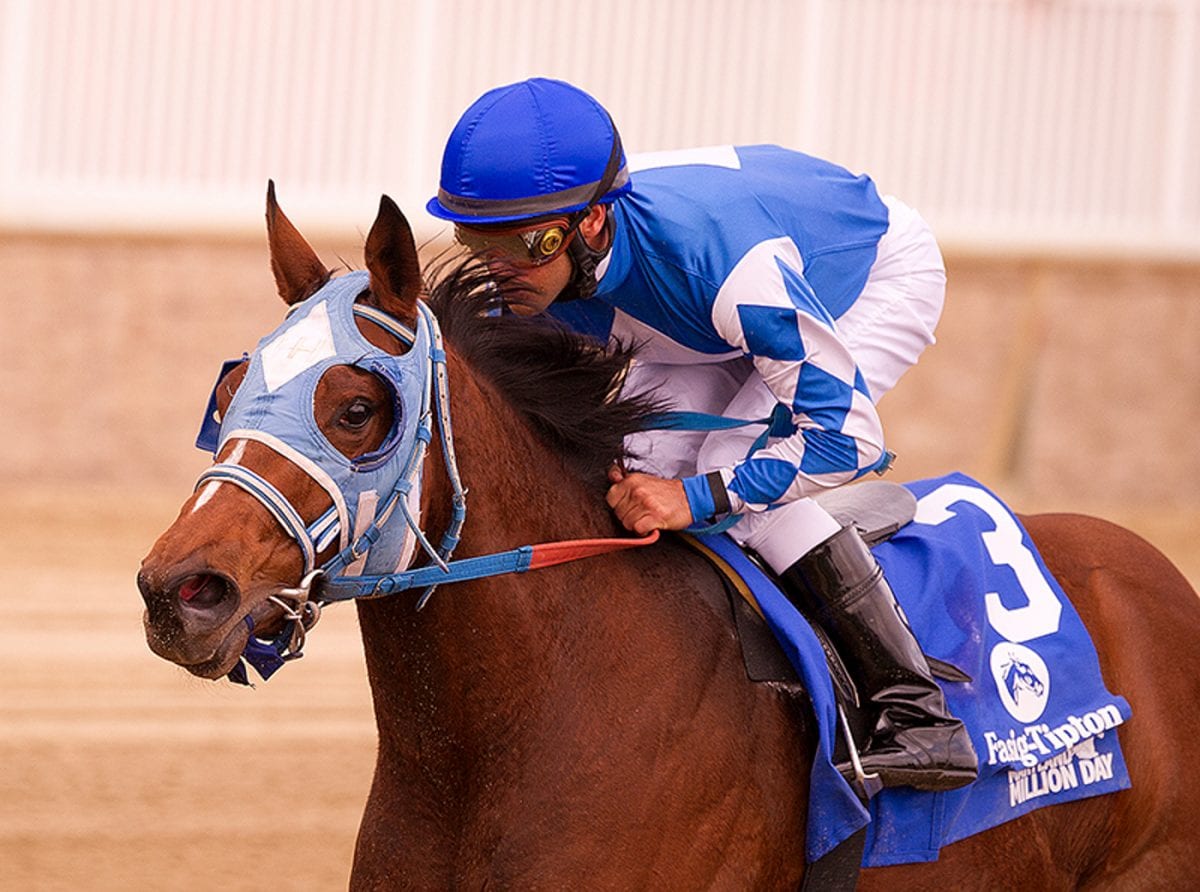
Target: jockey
{"points": [[754, 278]]}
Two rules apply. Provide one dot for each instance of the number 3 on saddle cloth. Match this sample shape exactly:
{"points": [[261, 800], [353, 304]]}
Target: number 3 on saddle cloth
{"points": [[978, 597]]}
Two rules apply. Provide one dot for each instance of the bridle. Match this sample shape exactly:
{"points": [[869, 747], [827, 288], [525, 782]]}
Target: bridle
{"points": [[421, 370]]}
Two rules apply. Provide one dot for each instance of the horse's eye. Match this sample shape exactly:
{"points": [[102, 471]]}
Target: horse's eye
{"points": [[357, 414]]}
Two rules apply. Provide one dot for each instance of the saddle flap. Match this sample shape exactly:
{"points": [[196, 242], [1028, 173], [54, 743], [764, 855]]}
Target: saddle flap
{"points": [[764, 658]]}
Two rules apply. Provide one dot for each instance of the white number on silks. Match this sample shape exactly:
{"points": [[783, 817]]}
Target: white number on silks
{"points": [[1004, 546]]}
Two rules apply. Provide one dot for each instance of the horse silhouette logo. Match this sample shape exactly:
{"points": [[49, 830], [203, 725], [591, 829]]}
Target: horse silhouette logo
{"points": [[1022, 680], [1019, 678]]}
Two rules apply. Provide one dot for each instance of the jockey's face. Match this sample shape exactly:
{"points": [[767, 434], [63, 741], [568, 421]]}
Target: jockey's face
{"points": [[533, 287]]}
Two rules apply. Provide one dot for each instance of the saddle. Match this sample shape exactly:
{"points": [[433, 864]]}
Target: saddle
{"points": [[878, 509]]}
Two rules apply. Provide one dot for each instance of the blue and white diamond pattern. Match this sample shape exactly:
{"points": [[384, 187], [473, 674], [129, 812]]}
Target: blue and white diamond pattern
{"points": [[766, 308]]}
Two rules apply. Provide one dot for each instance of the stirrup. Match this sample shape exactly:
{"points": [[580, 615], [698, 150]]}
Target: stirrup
{"points": [[865, 785]]}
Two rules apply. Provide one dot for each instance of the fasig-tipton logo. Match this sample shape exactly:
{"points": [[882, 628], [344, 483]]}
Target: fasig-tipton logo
{"points": [[1022, 680]]}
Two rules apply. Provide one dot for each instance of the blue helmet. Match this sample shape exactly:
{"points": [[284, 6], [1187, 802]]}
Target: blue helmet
{"points": [[527, 150]]}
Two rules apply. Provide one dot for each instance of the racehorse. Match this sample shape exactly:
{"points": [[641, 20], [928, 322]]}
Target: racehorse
{"points": [[591, 724]]}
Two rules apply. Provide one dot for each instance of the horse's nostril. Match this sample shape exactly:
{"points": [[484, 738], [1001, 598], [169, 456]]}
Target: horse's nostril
{"points": [[203, 591]]}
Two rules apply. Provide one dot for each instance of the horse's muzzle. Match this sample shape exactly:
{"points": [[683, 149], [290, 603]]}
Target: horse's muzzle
{"points": [[187, 613]]}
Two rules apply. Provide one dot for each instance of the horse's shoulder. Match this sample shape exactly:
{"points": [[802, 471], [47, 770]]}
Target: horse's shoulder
{"points": [[695, 573]]}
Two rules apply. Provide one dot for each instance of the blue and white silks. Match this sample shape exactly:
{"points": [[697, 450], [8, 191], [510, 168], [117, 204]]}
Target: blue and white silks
{"points": [[751, 251], [977, 595]]}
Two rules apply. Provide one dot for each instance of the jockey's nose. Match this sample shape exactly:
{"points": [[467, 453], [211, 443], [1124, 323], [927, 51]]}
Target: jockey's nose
{"points": [[498, 266]]}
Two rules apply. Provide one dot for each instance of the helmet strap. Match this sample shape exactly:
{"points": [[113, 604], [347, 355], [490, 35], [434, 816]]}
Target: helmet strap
{"points": [[584, 260]]}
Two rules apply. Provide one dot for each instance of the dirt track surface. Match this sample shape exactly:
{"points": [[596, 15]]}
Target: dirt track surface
{"points": [[120, 771]]}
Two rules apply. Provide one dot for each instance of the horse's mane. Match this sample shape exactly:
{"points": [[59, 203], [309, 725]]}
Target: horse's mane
{"points": [[565, 384]]}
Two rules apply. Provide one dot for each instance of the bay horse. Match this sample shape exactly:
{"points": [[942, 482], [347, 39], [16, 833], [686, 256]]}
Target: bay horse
{"points": [[591, 724]]}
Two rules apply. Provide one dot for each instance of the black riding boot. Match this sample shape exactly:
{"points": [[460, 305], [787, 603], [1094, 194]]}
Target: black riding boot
{"points": [[916, 742]]}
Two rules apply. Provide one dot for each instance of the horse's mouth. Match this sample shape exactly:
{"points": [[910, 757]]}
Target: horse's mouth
{"points": [[211, 663], [216, 663], [219, 665]]}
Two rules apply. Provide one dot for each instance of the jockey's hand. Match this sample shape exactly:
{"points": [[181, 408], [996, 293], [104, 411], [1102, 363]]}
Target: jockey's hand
{"points": [[643, 502]]}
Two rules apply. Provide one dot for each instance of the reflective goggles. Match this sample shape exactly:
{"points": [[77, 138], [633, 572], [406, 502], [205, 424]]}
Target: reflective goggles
{"points": [[518, 246]]}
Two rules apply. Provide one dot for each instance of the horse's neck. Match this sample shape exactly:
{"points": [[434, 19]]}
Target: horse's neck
{"points": [[521, 490], [598, 684], [485, 647]]}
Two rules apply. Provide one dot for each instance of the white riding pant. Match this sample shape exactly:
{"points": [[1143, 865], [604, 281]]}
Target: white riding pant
{"points": [[886, 329]]}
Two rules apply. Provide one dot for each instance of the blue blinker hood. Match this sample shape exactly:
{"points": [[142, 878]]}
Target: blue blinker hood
{"points": [[274, 406]]}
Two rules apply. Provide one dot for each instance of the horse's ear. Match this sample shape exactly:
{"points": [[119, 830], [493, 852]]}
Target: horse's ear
{"points": [[391, 256], [299, 273]]}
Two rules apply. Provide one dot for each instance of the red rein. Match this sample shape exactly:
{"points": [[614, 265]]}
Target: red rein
{"points": [[550, 553]]}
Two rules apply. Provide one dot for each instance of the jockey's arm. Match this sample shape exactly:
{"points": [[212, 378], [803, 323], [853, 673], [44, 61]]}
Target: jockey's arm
{"points": [[776, 319], [837, 435]]}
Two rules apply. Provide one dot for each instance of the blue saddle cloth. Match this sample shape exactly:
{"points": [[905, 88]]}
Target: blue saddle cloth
{"points": [[978, 596]]}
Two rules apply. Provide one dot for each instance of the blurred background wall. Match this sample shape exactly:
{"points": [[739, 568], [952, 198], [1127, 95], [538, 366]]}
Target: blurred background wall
{"points": [[1015, 124], [1052, 144]]}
